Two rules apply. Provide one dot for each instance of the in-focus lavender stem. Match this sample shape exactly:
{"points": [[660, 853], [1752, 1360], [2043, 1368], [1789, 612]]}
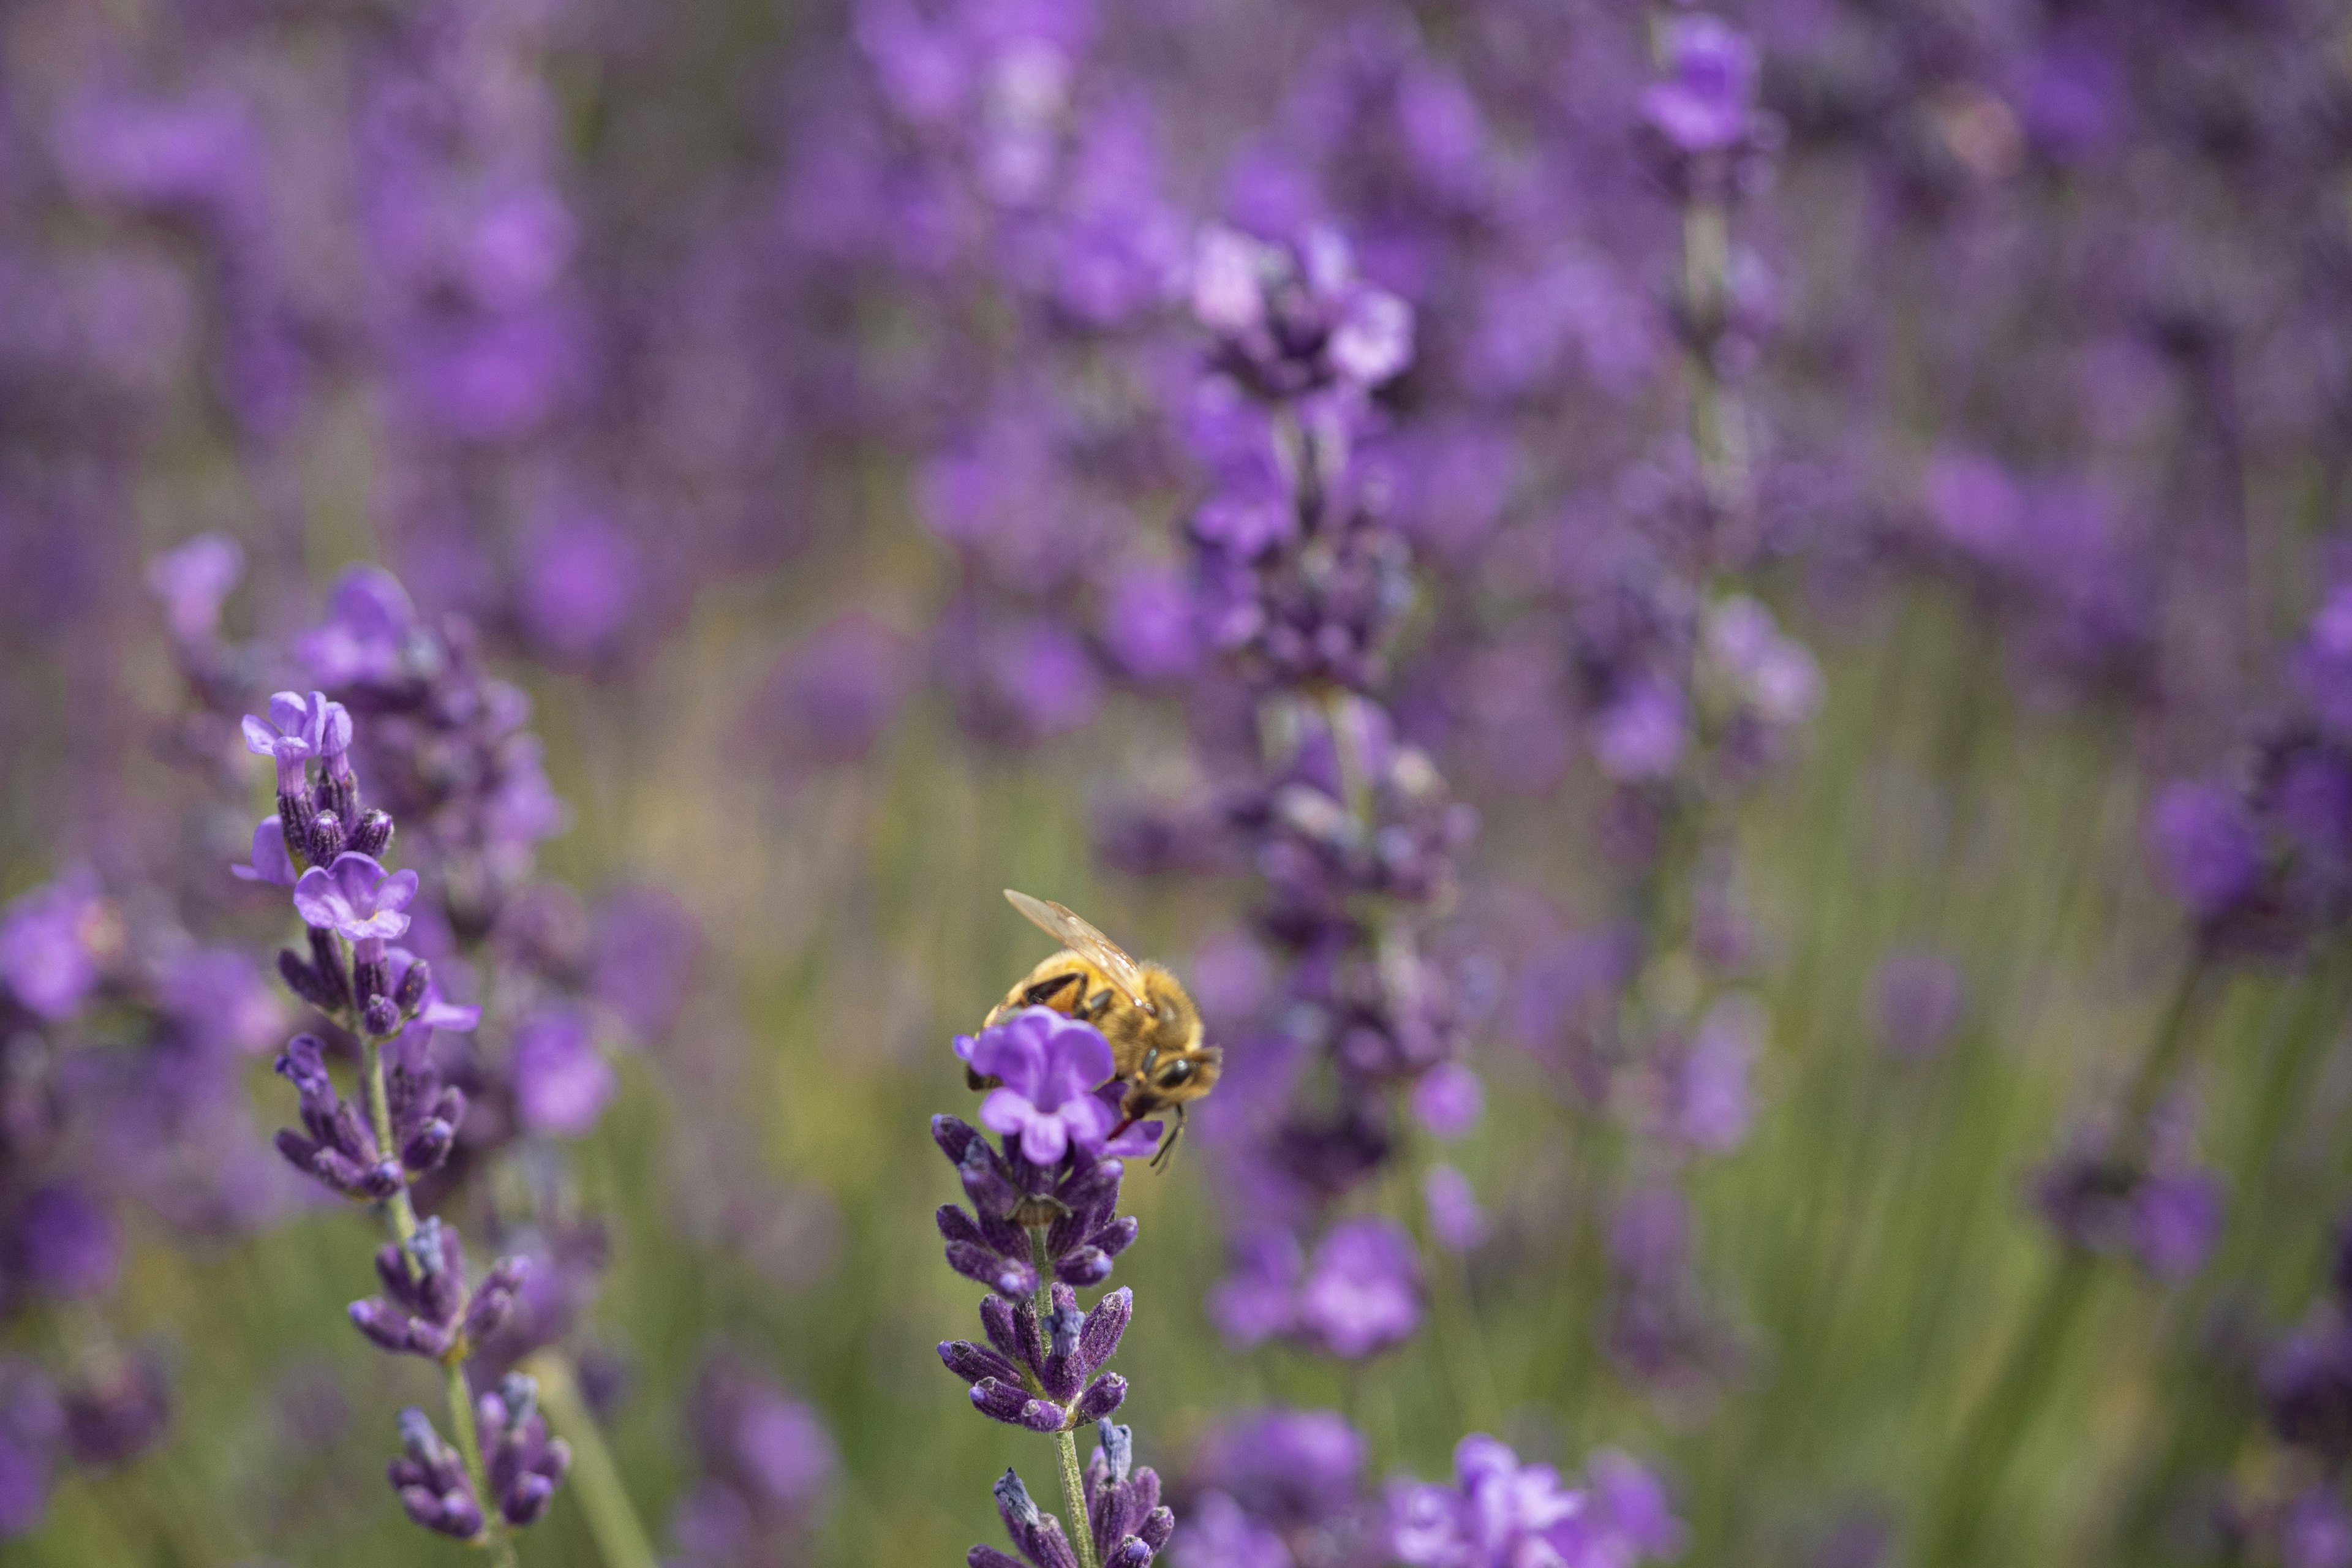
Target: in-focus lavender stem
{"points": [[1066, 1443], [469, 1448]]}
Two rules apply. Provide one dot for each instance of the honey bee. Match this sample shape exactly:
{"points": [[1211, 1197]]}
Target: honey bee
{"points": [[1153, 1027]]}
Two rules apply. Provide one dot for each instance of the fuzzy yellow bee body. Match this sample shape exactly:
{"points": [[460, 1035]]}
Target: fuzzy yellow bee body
{"points": [[1153, 1027]]}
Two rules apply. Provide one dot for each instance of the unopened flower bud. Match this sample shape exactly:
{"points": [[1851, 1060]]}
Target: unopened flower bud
{"points": [[324, 840], [383, 1016], [1118, 1446], [373, 834], [1014, 1500], [519, 1392], [412, 986], [303, 980]]}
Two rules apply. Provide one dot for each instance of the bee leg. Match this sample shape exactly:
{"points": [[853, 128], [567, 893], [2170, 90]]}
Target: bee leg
{"points": [[1042, 995], [979, 1080], [1168, 1144], [1094, 1006]]}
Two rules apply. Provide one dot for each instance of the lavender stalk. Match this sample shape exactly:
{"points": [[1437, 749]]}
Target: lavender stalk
{"points": [[1043, 1225], [380, 995]]}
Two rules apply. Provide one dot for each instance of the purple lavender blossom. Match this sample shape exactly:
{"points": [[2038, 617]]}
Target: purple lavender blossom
{"points": [[562, 1081], [2155, 1205], [270, 861], [1362, 1292], [1041, 1373], [52, 943], [1287, 1478], [1448, 1099], [989, 1244], [1455, 1220], [2315, 1531], [335, 1144], [1125, 1519], [299, 730], [1703, 104], [1499, 1513], [430, 1479], [427, 1308], [768, 1464], [2208, 846], [1293, 318], [1050, 1067], [364, 638], [833, 695], [31, 1422], [525, 1464], [117, 1411], [67, 1243], [356, 897], [193, 581]]}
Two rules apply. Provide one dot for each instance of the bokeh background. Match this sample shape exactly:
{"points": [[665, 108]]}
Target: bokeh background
{"points": [[1715, 641]]}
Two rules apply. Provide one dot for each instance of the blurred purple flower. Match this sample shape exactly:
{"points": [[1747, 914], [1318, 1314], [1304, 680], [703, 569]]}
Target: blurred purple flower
{"points": [[1258, 1299], [1711, 1105], [562, 1081], [1703, 106], [217, 998], [1448, 1099], [31, 1421], [835, 694], [582, 579], [2207, 844], [118, 1412], [52, 942], [68, 1246], [1920, 996], [2176, 1219], [2315, 1531], [270, 862], [1641, 734], [193, 581], [361, 641], [1497, 1513], [1152, 623], [1362, 1292], [1455, 1220], [642, 957], [1296, 1470]]}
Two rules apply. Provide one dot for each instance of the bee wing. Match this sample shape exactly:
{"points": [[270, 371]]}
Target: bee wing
{"points": [[1085, 941]]}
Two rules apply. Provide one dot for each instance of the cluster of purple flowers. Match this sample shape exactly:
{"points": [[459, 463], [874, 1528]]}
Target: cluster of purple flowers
{"points": [[1042, 1225], [325, 842], [767, 1462]]}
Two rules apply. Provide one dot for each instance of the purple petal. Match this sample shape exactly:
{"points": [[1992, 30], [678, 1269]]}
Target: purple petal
{"points": [[259, 738], [318, 900], [271, 863], [397, 892], [1045, 1139], [1077, 1058], [1006, 1112]]}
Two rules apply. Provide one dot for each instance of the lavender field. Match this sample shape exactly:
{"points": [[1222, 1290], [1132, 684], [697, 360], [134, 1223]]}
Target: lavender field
{"points": [[1715, 646]]}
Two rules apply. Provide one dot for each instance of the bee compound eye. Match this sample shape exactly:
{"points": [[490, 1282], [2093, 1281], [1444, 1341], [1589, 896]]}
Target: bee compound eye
{"points": [[1175, 1074]]}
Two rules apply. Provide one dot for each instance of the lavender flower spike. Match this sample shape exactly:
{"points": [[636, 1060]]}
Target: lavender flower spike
{"points": [[425, 1310], [526, 1465], [431, 1480]]}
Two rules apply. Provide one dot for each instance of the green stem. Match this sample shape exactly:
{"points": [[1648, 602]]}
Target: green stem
{"points": [[401, 1213], [1988, 1443], [469, 1448], [621, 1538], [1066, 1444]]}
